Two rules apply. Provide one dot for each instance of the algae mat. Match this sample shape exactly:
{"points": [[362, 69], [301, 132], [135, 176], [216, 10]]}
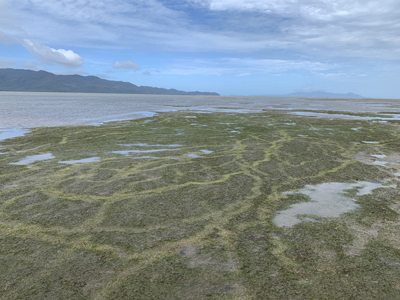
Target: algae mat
{"points": [[183, 206]]}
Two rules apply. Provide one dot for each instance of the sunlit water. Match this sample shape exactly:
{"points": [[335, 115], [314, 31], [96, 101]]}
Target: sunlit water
{"points": [[327, 200]]}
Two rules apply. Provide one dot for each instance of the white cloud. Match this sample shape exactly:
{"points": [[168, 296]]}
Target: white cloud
{"points": [[316, 9], [9, 23], [146, 73], [96, 22], [110, 71], [6, 63], [125, 65], [324, 28], [358, 28], [50, 56]]}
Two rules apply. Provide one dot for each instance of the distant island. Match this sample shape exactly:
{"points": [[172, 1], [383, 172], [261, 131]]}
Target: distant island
{"points": [[321, 94], [19, 80]]}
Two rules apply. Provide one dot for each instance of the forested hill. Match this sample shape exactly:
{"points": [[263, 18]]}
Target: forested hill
{"points": [[41, 81]]}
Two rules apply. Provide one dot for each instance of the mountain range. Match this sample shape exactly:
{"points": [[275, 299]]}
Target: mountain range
{"points": [[42, 81]]}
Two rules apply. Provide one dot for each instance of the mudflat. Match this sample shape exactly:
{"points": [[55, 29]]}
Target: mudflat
{"points": [[243, 201]]}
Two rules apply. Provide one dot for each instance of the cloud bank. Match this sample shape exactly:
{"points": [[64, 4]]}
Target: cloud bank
{"points": [[327, 28], [336, 39], [50, 56]]}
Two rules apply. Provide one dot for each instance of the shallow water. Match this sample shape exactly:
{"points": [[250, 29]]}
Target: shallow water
{"points": [[206, 151], [379, 155], [33, 158], [80, 161], [153, 157], [127, 152], [327, 200], [12, 133], [25, 110]]}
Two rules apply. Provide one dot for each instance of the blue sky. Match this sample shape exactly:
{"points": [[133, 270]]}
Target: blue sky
{"points": [[233, 47]]}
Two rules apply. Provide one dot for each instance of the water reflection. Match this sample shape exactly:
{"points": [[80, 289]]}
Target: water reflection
{"points": [[327, 200]]}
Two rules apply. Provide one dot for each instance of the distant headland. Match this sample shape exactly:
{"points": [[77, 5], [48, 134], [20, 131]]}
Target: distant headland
{"points": [[18, 80]]}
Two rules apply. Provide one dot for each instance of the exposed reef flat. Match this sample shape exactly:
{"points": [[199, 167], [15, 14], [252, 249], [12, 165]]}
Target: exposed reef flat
{"points": [[181, 205]]}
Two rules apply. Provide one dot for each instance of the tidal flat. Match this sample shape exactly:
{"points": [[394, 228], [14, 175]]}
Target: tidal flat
{"points": [[98, 218]]}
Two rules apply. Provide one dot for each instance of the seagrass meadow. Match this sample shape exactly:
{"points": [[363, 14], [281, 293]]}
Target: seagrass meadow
{"points": [[185, 205]]}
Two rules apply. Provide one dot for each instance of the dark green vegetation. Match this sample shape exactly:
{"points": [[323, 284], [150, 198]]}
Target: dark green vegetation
{"points": [[42, 81], [178, 227]]}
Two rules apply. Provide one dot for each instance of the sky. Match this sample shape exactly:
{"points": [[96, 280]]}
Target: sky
{"points": [[233, 47]]}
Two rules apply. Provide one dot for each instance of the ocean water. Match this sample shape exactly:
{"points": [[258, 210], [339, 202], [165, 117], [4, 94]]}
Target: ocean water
{"points": [[27, 110]]}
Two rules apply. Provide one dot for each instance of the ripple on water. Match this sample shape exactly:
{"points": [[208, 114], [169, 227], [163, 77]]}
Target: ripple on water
{"points": [[327, 200]]}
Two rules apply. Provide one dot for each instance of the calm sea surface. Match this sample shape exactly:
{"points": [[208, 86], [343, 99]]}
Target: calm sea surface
{"points": [[25, 110]]}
